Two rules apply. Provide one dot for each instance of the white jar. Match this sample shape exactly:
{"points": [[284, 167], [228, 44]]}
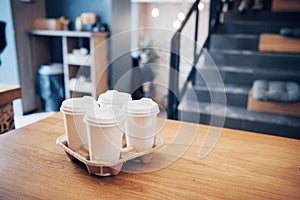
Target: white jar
{"points": [[78, 24]]}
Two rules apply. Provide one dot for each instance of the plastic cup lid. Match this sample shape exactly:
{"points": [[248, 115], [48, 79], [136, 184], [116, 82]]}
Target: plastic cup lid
{"points": [[114, 97], [78, 105], [144, 106], [104, 116]]}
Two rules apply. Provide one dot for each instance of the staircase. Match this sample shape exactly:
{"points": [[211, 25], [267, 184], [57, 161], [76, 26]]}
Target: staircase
{"points": [[234, 49]]}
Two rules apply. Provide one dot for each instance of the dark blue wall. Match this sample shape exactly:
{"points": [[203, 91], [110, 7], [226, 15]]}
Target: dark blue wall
{"points": [[115, 13], [71, 9]]}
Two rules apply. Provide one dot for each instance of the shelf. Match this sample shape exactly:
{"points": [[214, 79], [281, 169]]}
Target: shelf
{"points": [[79, 60], [161, 1], [67, 33], [91, 66], [74, 94], [166, 1], [85, 87], [81, 91], [8, 93]]}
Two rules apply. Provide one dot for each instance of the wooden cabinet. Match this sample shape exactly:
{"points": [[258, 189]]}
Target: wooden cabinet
{"points": [[7, 94], [83, 74]]}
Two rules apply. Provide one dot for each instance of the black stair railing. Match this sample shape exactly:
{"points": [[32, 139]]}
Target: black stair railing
{"points": [[174, 95]]}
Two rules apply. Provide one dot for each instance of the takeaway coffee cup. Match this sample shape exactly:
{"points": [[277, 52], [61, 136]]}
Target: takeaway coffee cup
{"points": [[114, 98], [104, 133], [140, 125], [74, 110]]}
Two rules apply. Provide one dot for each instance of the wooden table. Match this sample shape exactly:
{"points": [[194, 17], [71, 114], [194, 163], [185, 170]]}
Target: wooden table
{"points": [[242, 165], [8, 93]]}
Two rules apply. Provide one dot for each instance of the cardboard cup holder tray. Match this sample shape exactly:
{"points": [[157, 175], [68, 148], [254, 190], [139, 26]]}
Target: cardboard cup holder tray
{"points": [[102, 168]]}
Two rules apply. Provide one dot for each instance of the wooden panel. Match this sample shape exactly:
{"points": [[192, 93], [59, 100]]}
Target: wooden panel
{"points": [[74, 94], [278, 43], [47, 24], [72, 43], [7, 122], [8, 93], [24, 15], [73, 71], [286, 5], [273, 107], [242, 165], [98, 51]]}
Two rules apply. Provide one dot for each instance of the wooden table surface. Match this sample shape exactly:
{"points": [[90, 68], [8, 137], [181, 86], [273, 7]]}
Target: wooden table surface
{"points": [[242, 165], [9, 93]]}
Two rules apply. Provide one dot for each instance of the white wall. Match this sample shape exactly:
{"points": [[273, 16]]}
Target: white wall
{"points": [[9, 73]]}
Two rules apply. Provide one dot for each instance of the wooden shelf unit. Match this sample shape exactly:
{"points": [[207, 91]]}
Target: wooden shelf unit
{"points": [[95, 61]]}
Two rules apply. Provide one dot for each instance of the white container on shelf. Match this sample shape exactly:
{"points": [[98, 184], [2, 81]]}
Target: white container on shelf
{"points": [[78, 24], [75, 59], [74, 110], [104, 128], [78, 85], [88, 18]]}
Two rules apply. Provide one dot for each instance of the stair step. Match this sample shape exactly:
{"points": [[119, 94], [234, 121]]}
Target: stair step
{"points": [[234, 41], [253, 58], [245, 75], [265, 16], [292, 108], [239, 118], [234, 95], [278, 43], [284, 5], [247, 27]]}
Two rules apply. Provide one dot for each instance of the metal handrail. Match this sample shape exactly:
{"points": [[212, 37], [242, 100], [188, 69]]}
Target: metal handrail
{"points": [[174, 95]]}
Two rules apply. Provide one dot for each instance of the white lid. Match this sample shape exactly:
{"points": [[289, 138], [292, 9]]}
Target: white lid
{"points": [[55, 68], [104, 116], [114, 97], [78, 105], [144, 106]]}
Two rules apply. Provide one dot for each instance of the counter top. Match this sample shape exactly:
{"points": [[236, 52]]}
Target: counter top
{"points": [[242, 165], [9, 93]]}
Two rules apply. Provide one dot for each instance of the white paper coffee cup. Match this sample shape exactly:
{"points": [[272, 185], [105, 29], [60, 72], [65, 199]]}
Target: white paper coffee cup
{"points": [[140, 125], [114, 98], [74, 110], [104, 128], [140, 143]]}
